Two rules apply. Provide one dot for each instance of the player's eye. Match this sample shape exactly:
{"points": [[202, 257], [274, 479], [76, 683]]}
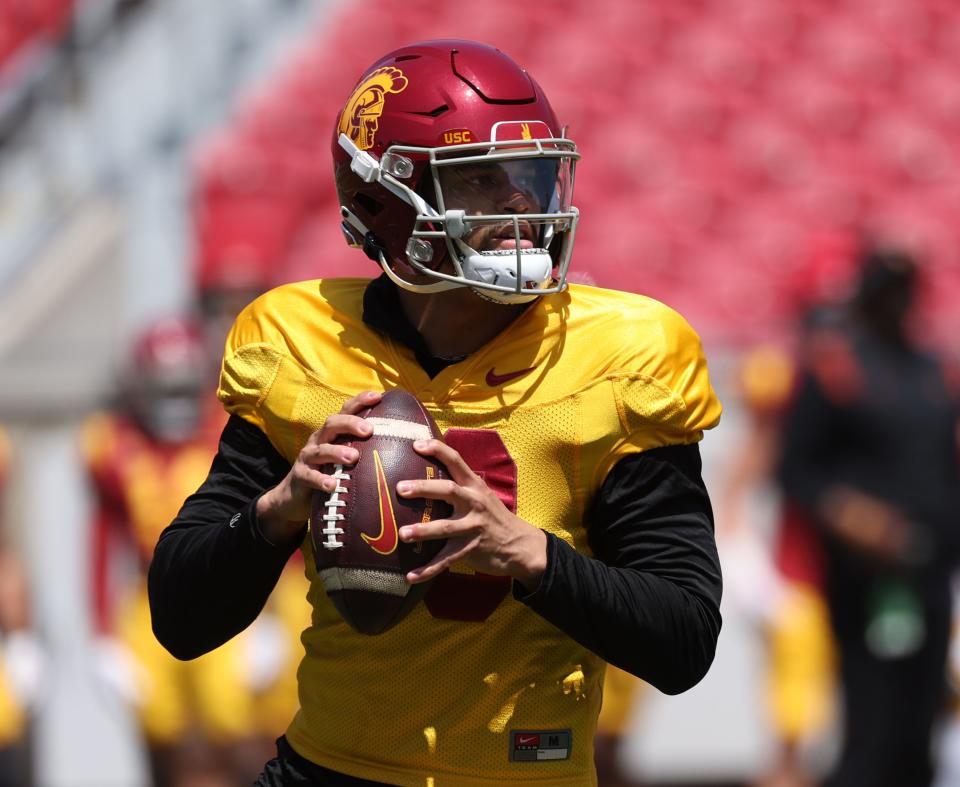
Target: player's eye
{"points": [[483, 180]]}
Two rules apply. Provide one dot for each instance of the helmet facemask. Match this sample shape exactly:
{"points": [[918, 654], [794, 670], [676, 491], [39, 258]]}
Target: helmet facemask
{"points": [[501, 214]]}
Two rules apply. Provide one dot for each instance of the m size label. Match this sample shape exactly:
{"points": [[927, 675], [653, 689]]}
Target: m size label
{"points": [[539, 745]]}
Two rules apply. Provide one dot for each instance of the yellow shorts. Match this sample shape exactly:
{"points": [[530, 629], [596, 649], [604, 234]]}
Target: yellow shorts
{"points": [[802, 667], [212, 693], [207, 694], [12, 720], [277, 704], [620, 691]]}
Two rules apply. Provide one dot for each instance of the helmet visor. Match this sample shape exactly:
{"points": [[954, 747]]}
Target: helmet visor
{"points": [[518, 185]]}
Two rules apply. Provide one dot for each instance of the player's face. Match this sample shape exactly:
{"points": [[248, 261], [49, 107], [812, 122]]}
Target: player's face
{"points": [[509, 188]]}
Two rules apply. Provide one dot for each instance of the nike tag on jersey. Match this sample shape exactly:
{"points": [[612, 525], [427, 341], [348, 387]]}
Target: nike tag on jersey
{"points": [[539, 745]]}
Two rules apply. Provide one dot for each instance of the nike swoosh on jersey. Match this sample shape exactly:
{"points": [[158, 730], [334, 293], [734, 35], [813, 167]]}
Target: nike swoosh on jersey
{"points": [[385, 542], [495, 380]]}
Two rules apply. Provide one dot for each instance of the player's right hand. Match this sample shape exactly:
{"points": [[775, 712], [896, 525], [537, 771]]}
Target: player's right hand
{"points": [[281, 511]]}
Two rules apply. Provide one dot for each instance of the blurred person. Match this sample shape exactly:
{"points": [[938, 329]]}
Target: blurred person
{"points": [[144, 458], [870, 453], [948, 749], [21, 656], [228, 277], [775, 577], [771, 554], [226, 280], [452, 176]]}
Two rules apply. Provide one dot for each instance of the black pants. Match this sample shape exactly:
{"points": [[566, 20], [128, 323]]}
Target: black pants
{"points": [[890, 709], [289, 769]]}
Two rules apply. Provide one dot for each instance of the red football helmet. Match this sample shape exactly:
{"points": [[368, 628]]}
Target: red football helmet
{"points": [[168, 378], [449, 151]]}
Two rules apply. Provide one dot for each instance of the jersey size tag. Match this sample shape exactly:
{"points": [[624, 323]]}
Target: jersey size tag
{"points": [[539, 745]]}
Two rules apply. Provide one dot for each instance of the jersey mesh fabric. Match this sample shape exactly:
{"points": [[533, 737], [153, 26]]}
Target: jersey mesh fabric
{"points": [[438, 696]]}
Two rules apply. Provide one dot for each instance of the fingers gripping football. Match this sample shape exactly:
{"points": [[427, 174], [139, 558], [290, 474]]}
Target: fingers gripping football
{"points": [[481, 530], [281, 511]]}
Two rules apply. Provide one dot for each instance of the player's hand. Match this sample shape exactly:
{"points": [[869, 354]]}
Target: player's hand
{"points": [[281, 511], [481, 530], [867, 524], [117, 669]]}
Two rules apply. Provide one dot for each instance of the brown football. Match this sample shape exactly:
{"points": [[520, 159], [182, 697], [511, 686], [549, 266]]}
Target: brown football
{"points": [[360, 559]]}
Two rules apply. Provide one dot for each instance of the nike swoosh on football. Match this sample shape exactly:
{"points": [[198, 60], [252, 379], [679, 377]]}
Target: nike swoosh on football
{"points": [[385, 542], [495, 380]]}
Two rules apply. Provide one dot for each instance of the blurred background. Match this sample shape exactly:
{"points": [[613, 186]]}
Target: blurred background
{"points": [[162, 161]]}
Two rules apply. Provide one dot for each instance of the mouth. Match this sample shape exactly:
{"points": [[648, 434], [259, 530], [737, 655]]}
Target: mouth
{"points": [[505, 237]]}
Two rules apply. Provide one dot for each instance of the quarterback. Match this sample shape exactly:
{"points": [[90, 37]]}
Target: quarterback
{"points": [[581, 531]]}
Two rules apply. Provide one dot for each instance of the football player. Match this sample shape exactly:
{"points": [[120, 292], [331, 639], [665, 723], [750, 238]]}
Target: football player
{"points": [[143, 460], [582, 532], [779, 588], [228, 275]]}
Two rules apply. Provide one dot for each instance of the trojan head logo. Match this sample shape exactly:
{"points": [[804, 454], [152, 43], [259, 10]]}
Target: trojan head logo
{"points": [[361, 115]]}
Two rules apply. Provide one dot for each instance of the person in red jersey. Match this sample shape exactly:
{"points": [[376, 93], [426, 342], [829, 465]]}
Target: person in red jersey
{"points": [[143, 459], [581, 531]]}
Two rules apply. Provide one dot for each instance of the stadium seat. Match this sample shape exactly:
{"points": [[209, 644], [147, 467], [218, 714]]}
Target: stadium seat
{"points": [[910, 148], [806, 95], [844, 47], [933, 90], [716, 53]]}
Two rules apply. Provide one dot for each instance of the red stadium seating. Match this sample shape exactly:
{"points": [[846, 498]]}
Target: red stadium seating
{"points": [[23, 22], [721, 138]]}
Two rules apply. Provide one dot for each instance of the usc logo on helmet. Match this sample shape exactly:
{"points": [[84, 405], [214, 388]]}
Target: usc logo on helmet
{"points": [[360, 116], [457, 137]]}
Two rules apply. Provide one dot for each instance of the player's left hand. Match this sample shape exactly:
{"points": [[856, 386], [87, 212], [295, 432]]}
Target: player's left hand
{"points": [[481, 530]]}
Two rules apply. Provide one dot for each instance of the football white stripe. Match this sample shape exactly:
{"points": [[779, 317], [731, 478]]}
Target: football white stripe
{"points": [[394, 427]]}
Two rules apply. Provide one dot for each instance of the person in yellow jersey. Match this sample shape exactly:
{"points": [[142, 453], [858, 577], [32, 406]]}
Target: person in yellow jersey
{"points": [[780, 586], [143, 459], [226, 277], [581, 531], [22, 657]]}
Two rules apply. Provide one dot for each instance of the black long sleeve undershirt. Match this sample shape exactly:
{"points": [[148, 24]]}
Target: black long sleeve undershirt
{"points": [[212, 571], [648, 603]]}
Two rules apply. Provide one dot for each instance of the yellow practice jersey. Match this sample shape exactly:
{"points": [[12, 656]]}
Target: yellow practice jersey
{"points": [[140, 484], [472, 688]]}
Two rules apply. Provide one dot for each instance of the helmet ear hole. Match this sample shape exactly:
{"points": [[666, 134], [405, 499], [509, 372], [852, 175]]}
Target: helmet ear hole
{"points": [[425, 187], [368, 203]]}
